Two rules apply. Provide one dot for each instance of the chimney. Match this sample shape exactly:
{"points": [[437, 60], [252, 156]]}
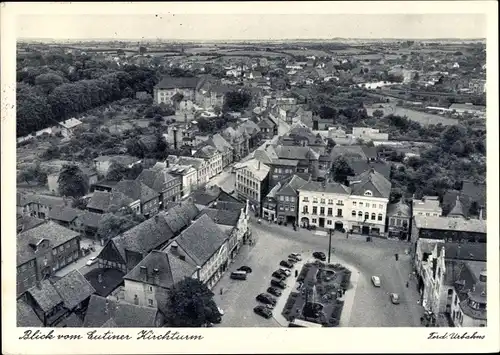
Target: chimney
{"points": [[99, 278]]}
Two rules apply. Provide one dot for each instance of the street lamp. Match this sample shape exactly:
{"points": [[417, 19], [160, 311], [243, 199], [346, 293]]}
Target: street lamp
{"points": [[330, 232]]}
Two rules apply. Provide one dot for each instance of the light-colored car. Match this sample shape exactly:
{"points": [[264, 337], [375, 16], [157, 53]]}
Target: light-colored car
{"points": [[376, 281], [92, 261], [286, 271], [295, 256], [221, 311], [394, 298]]}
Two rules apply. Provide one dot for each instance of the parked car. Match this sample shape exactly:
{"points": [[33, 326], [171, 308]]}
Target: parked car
{"points": [[319, 255], [274, 291], [247, 269], [285, 271], [394, 298], [266, 299], [92, 261], [221, 311], [239, 275], [295, 256], [280, 276], [286, 264], [376, 281], [279, 284], [263, 312]]}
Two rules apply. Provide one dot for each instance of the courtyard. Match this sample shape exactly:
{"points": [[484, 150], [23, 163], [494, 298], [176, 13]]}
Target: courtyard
{"points": [[364, 305]]}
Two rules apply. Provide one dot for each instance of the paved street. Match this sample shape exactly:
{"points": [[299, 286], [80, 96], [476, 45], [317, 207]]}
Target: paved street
{"points": [[80, 264], [371, 306]]}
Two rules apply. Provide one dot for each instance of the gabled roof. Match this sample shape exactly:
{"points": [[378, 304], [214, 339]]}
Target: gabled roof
{"points": [[169, 82], [457, 210], [201, 239], [228, 218], [136, 190], [51, 231], [196, 163], [274, 190], [399, 207], [220, 143], [26, 222], [73, 289], [354, 152], [64, 214], [291, 186], [45, 295], [206, 196], [26, 316], [360, 166], [228, 206], [465, 251], [156, 179], [373, 181], [295, 152], [454, 224], [329, 187], [103, 201], [160, 269], [260, 170], [45, 200], [206, 152], [90, 219], [100, 310]]}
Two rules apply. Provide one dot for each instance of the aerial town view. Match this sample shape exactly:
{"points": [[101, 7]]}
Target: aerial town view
{"points": [[266, 183]]}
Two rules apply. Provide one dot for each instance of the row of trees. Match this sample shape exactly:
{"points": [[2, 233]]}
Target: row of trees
{"points": [[40, 106]]}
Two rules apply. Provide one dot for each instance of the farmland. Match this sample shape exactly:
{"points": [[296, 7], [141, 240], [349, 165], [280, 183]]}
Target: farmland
{"points": [[307, 52], [423, 118]]}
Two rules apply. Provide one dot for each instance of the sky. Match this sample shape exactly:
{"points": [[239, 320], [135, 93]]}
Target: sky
{"points": [[251, 26]]}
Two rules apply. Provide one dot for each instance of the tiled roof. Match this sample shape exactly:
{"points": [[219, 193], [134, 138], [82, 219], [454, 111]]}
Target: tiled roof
{"points": [[260, 170], [180, 214], [136, 190], [103, 201], [455, 224], [458, 209], [274, 190], [64, 214], [155, 179], [467, 251], [110, 280], [220, 143], [399, 207], [27, 222], [90, 219], [228, 206], [162, 269], [45, 295], [45, 200], [228, 218], [329, 187], [205, 197], [295, 152], [354, 152], [427, 203], [206, 152], [73, 288], [291, 186], [285, 162], [101, 310], [373, 181], [26, 316], [169, 82], [54, 232], [196, 163], [360, 166], [71, 321], [201, 239]]}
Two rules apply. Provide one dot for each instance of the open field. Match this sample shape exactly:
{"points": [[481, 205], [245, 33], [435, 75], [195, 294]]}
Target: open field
{"points": [[250, 53], [307, 52], [421, 117]]}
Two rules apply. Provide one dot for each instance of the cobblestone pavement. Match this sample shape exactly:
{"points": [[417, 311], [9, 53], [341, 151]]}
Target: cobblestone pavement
{"points": [[371, 306]]}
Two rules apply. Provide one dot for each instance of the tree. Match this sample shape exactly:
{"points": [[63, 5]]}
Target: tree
{"points": [[113, 224], [72, 181], [341, 170], [48, 82], [190, 304], [237, 100], [378, 114], [80, 203], [117, 172]]}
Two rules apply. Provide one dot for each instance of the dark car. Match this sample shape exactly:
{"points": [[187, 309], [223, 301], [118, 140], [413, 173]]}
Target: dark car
{"points": [[279, 275], [274, 291], [319, 255], [286, 264], [263, 311], [247, 269], [279, 284], [265, 298]]}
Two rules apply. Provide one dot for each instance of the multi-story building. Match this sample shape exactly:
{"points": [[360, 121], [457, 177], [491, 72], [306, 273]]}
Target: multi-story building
{"points": [[238, 140], [43, 250], [168, 87], [322, 204], [181, 134], [39, 206], [136, 190], [103, 163], [168, 187], [427, 206], [287, 199], [224, 148], [201, 166], [398, 220], [213, 157], [270, 204], [103, 201], [252, 182], [204, 245], [268, 128], [368, 200], [368, 134]]}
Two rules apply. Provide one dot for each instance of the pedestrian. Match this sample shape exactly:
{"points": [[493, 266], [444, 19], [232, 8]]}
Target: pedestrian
{"points": [[221, 290], [296, 273], [343, 291], [418, 301], [407, 284]]}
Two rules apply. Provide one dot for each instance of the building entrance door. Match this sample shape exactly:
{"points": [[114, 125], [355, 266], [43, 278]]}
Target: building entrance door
{"points": [[322, 222]]}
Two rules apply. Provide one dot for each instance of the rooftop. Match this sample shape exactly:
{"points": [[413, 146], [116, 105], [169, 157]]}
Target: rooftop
{"points": [[453, 224]]}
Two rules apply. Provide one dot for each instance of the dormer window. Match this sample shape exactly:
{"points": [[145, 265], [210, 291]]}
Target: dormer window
{"points": [[368, 193]]}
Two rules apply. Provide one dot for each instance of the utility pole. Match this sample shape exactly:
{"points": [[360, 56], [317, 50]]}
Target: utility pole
{"points": [[329, 243]]}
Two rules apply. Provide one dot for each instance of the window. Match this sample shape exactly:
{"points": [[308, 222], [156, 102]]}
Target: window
{"points": [[150, 288], [374, 205], [373, 216], [54, 251], [339, 212], [330, 201], [136, 300], [392, 222], [305, 199], [340, 203], [292, 208], [361, 204], [427, 214], [354, 203], [282, 198], [360, 214], [315, 210], [368, 193], [353, 213], [322, 210], [379, 217], [381, 206], [287, 199], [292, 199], [398, 222], [314, 220], [367, 215], [329, 222], [305, 209], [315, 200], [322, 200], [150, 302]]}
